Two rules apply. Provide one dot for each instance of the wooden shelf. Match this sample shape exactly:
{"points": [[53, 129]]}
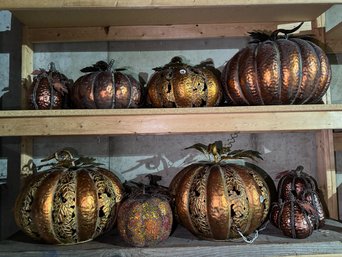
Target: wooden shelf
{"points": [[270, 242], [144, 20], [170, 121]]}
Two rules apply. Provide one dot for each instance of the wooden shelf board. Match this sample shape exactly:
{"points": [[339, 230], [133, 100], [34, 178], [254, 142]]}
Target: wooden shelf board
{"points": [[170, 121], [52, 14], [270, 242]]}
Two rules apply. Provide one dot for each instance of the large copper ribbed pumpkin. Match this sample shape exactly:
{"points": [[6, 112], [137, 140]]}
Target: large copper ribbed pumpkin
{"points": [[219, 200], [102, 88], [277, 70], [48, 89], [68, 205], [181, 85]]}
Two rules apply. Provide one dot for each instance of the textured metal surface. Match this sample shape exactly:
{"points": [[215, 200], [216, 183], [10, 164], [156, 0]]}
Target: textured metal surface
{"points": [[68, 206], [106, 90], [283, 71], [292, 219], [181, 85], [43, 95], [215, 201], [145, 220]]}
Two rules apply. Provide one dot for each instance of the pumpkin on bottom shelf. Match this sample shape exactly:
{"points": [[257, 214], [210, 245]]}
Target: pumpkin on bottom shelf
{"points": [[292, 217], [72, 202], [218, 200], [145, 220]]}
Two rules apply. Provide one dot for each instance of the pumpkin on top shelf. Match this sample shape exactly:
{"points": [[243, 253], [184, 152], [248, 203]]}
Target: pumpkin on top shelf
{"points": [[276, 69], [49, 89], [105, 88], [181, 85]]}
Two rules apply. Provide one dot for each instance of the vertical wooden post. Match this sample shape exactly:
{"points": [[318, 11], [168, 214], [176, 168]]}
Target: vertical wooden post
{"points": [[26, 70], [326, 171]]}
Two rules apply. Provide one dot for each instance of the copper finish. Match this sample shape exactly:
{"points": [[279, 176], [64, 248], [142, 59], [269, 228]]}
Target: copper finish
{"points": [[106, 89], [63, 206], [282, 71], [48, 89], [180, 85], [145, 220], [215, 201], [292, 218]]}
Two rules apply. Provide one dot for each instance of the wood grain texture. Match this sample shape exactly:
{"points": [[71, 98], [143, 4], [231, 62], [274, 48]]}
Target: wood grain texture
{"points": [[270, 242], [170, 121]]}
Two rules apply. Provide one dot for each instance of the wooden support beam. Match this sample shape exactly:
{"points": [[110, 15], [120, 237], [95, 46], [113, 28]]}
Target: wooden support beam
{"points": [[110, 33]]}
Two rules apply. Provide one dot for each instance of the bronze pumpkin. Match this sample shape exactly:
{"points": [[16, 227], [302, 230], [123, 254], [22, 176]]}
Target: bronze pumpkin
{"points": [[181, 85], [277, 70], [48, 89], [72, 202], [292, 217], [219, 200], [145, 220], [102, 88]]}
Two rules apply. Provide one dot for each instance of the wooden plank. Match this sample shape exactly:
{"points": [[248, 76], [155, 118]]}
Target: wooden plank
{"points": [[190, 31], [334, 39], [161, 121], [326, 171], [270, 242], [338, 141], [168, 15], [26, 69], [35, 4]]}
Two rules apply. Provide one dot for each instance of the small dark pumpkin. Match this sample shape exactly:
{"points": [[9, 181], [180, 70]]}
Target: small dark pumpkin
{"points": [[292, 217], [48, 89], [277, 70], [145, 220], [294, 182], [219, 200], [72, 202], [181, 85], [103, 88], [318, 218]]}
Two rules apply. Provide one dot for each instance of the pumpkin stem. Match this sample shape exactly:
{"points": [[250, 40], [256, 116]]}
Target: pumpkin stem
{"points": [[299, 170], [286, 32], [219, 152], [52, 67]]}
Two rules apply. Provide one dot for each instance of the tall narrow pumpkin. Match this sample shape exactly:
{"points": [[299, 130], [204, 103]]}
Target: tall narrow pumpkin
{"points": [[277, 70], [72, 202], [103, 88], [219, 200]]}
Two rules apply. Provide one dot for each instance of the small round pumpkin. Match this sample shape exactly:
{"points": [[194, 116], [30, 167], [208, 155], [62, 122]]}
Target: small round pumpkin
{"points": [[294, 182], [48, 89], [274, 69], [181, 85], [219, 200], [292, 217], [102, 88], [72, 202], [145, 220]]}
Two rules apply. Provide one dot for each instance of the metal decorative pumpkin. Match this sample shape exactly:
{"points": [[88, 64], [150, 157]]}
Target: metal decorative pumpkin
{"points": [[277, 70], [72, 202], [48, 89], [220, 200], [181, 85], [302, 186], [292, 217], [103, 88], [145, 220]]}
